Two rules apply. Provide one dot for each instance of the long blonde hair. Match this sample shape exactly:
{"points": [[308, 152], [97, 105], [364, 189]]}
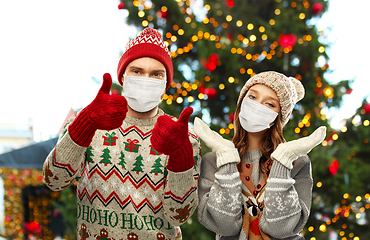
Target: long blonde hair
{"points": [[271, 139]]}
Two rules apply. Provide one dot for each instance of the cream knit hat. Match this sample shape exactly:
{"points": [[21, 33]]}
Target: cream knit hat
{"points": [[288, 89]]}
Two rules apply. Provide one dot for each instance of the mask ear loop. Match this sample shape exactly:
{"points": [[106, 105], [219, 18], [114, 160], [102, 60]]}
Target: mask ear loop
{"points": [[273, 123]]}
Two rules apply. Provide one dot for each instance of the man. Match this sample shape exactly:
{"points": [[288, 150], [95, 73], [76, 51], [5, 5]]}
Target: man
{"points": [[137, 168]]}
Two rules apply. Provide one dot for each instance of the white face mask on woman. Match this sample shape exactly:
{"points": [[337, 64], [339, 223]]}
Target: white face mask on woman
{"points": [[143, 93], [255, 117]]}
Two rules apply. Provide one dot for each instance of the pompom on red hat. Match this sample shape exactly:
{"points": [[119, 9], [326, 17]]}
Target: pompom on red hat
{"points": [[149, 43]]}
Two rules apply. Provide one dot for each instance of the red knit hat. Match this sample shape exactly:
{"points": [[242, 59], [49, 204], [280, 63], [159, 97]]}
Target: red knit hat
{"points": [[149, 43]]}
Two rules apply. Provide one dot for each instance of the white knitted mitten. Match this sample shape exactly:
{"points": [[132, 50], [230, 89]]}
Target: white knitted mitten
{"points": [[224, 149], [288, 152]]}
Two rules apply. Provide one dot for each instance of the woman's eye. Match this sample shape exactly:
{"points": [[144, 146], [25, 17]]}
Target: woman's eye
{"points": [[251, 96], [270, 104]]}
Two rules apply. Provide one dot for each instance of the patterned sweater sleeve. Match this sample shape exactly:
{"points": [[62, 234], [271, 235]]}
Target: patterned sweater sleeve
{"points": [[220, 206], [180, 197], [288, 199], [64, 163]]}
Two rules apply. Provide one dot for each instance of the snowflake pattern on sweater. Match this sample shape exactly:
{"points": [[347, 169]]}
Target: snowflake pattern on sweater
{"points": [[278, 208], [124, 190]]}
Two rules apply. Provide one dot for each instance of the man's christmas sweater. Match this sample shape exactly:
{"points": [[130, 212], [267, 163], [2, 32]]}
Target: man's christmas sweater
{"points": [[124, 190]]}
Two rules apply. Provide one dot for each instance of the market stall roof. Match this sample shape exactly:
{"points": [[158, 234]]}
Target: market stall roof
{"points": [[32, 156]]}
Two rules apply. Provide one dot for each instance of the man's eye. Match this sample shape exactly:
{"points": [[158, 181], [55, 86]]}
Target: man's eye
{"points": [[157, 74]]}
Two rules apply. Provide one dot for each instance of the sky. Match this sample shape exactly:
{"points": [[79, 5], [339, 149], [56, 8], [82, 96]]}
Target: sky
{"points": [[50, 51], [346, 28]]}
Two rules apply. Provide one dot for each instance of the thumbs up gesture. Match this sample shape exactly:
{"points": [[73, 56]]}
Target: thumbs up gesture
{"points": [[105, 112], [171, 138]]}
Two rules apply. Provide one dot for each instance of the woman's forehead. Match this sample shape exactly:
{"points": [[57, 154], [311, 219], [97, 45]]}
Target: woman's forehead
{"points": [[263, 89]]}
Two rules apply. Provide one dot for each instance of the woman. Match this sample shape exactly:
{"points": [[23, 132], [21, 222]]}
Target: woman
{"points": [[258, 186]]}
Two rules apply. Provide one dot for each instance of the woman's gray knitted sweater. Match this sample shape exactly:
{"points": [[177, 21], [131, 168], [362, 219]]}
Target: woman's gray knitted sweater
{"points": [[282, 206]]}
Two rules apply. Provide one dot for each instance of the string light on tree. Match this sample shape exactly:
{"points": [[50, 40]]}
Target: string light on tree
{"points": [[230, 3], [163, 13], [366, 108], [317, 8], [210, 92], [287, 40], [333, 167], [121, 6]]}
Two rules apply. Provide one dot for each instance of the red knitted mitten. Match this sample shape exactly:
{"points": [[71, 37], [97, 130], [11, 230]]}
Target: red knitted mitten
{"points": [[105, 112], [171, 138]]}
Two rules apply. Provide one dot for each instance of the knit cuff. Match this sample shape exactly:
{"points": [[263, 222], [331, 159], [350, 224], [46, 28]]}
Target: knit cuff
{"points": [[227, 156], [182, 159], [67, 149], [81, 130], [278, 170], [284, 155]]}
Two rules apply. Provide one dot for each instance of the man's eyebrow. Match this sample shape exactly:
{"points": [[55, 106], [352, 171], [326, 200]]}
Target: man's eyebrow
{"points": [[159, 70], [135, 67]]}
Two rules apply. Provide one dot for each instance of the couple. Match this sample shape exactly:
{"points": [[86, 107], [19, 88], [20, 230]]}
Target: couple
{"points": [[140, 172]]}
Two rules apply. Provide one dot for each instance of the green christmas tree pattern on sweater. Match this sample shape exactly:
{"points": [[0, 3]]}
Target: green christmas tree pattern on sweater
{"points": [[89, 155], [106, 157], [138, 164], [156, 168], [122, 162]]}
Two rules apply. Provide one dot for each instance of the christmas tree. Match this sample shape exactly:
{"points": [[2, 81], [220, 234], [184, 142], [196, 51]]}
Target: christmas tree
{"points": [[156, 168], [122, 162], [106, 157], [341, 200], [138, 164], [89, 155], [217, 45]]}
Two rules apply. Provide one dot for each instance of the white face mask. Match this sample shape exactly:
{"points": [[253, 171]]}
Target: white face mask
{"points": [[255, 117], [143, 93]]}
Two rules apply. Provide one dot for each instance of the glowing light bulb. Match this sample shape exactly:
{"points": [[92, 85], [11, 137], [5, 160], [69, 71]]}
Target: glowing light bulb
{"points": [[141, 13], [322, 228]]}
